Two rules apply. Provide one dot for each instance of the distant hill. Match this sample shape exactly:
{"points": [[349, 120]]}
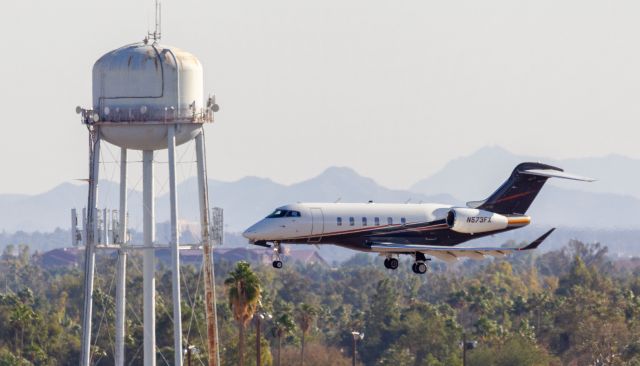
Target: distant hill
{"points": [[475, 176], [51, 209]]}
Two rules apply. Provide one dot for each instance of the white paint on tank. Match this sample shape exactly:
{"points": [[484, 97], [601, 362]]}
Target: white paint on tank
{"points": [[149, 84]]}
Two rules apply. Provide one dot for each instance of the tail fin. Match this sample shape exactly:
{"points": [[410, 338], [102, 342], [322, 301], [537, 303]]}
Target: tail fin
{"points": [[516, 194]]}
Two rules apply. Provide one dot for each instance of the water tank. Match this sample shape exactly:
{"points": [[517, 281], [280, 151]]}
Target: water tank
{"points": [[141, 88]]}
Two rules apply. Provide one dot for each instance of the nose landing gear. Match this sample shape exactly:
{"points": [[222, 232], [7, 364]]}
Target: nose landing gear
{"points": [[277, 251]]}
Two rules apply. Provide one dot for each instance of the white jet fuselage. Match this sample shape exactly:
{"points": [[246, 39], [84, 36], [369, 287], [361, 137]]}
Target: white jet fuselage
{"points": [[336, 219], [353, 224]]}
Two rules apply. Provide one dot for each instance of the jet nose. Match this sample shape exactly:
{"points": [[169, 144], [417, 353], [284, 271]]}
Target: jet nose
{"points": [[251, 233]]}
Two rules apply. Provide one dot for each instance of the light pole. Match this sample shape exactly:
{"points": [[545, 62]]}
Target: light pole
{"points": [[467, 345], [258, 317], [464, 349], [356, 335], [189, 350]]}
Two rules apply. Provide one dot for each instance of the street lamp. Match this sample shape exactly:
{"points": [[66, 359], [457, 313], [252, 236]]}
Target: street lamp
{"points": [[189, 350], [258, 317], [356, 336], [466, 345]]}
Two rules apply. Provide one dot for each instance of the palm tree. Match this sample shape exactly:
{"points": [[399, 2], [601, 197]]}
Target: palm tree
{"points": [[21, 317], [243, 291], [282, 326], [305, 315]]}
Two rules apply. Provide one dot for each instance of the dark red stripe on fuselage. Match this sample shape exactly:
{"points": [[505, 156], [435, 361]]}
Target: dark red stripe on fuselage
{"points": [[380, 230]]}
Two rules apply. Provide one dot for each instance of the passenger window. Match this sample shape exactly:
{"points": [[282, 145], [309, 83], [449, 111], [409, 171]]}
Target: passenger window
{"points": [[364, 221], [339, 221], [403, 221], [390, 220], [376, 221], [352, 221]]}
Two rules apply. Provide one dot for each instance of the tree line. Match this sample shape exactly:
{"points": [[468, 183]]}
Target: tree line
{"points": [[574, 306]]}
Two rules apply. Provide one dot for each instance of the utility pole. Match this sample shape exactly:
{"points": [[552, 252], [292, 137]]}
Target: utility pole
{"points": [[209, 273], [90, 246]]}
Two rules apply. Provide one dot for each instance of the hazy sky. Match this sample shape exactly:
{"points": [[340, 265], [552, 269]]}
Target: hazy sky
{"points": [[394, 89]]}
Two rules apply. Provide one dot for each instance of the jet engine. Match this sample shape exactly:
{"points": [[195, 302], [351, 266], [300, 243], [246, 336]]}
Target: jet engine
{"points": [[471, 221]]}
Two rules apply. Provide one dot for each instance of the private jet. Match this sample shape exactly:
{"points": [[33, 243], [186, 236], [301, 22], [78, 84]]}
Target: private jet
{"points": [[421, 230]]}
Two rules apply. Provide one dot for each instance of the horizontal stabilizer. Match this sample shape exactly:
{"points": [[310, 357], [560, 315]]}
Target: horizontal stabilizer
{"points": [[550, 173], [451, 254]]}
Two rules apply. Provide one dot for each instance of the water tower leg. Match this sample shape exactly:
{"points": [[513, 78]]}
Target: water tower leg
{"points": [[209, 274], [148, 261], [90, 255], [175, 252], [122, 263]]}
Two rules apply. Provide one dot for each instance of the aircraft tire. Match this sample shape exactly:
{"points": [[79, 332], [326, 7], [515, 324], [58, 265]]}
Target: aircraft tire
{"points": [[386, 263], [277, 264], [392, 263], [421, 268]]}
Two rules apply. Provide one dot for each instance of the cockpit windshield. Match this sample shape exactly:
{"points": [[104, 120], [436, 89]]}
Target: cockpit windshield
{"points": [[283, 213], [277, 213]]}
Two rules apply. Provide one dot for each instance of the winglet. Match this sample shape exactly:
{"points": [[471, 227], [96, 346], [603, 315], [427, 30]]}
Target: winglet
{"points": [[536, 243]]}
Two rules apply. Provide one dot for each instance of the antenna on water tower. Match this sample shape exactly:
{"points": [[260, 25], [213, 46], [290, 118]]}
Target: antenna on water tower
{"points": [[157, 33]]}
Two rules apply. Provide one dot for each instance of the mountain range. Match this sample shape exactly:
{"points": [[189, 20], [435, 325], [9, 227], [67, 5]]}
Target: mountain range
{"points": [[611, 203], [475, 176]]}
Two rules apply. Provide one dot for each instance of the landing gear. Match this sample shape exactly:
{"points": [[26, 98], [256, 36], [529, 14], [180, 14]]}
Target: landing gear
{"points": [[419, 268], [420, 265], [277, 251], [391, 263]]}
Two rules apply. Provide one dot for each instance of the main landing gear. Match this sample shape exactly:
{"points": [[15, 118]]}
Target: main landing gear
{"points": [[277, 251], [420, 265], [419, 268], [391, 263]]}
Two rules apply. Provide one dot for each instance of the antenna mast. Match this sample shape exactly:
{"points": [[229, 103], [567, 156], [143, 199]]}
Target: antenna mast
{"points": [[157, 33]]}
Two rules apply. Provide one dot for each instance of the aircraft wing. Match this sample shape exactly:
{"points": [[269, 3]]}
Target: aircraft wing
{"points": [[451, 254]]}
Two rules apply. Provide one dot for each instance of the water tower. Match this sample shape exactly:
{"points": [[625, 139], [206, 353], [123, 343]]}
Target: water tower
{"points": [[147, 96]]}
